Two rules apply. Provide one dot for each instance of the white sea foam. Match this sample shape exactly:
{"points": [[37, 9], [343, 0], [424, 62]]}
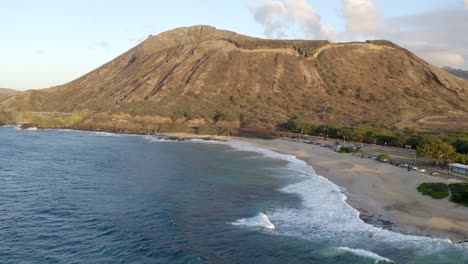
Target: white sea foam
{"points": [[157, 138], [325, 214], [96, 133], [366, 254], [261, 220], [105, 134]]}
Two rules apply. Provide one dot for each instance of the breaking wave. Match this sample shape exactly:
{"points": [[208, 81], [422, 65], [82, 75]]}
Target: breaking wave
{"points": [[260, 221], [324, 214], [366, 254]]}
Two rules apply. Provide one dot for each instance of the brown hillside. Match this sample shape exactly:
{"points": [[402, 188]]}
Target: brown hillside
{"points": [[204, 76], [4, 93]]}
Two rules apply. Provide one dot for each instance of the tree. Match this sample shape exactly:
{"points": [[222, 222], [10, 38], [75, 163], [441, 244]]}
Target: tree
{"points": [[441, 153], [370, 137], [353, 134], [400, 140], [298, 124], [384, 157]]}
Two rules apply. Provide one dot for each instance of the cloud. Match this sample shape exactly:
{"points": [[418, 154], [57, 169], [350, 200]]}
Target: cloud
{"points": [[137, 39], [444, 58], [438, 36], [280, 17], [362, 17], [103, 44]]}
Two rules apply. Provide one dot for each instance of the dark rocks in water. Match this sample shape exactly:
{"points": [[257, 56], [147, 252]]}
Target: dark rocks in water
{"points": [[376, 221], [26, 126]]}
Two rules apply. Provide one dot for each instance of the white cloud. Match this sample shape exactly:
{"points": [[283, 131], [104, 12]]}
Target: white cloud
{"points": [[272, 16], [103, 44], [438, 36], [444, 58], [362, 17], [279, 17]]}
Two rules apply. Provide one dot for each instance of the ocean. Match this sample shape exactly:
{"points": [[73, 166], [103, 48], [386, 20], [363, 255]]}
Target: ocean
{"points": [[95, 197]]}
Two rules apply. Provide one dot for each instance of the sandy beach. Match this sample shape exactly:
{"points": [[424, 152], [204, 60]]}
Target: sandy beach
{"points": [[385, 195]]}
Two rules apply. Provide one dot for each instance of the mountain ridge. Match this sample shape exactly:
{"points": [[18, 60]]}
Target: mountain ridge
{"points": [[457, 72], [6, 92], [204, 77]]}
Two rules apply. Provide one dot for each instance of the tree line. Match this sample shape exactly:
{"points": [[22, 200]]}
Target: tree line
{"points": [[442, 148]]}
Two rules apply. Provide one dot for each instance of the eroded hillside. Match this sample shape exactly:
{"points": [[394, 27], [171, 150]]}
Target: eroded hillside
{"points": [[204, 77]]}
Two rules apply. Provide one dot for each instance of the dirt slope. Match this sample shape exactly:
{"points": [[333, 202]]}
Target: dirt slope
{"points": [[201, 76]]}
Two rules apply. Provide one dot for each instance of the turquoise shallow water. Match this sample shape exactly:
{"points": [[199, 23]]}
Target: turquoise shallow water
{"points": [[82, 197]]}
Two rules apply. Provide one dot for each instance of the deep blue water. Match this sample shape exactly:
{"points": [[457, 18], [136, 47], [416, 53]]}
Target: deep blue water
{"points": [[82, 197]]}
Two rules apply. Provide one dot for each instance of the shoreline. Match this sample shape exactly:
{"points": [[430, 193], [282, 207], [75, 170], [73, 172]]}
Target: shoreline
{"points": [[365, 182], [384, 195]]}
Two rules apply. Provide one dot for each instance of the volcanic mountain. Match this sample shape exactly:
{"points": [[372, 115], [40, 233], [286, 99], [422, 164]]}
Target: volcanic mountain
{"points": [[4, 93], [201, 77], [457, 72]]}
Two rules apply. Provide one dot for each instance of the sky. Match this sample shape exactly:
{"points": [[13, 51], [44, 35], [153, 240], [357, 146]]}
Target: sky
{"points": [[50, 42]]}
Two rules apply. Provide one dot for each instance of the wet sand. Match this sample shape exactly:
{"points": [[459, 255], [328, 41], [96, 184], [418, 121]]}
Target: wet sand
{"points": [[384, 194]]}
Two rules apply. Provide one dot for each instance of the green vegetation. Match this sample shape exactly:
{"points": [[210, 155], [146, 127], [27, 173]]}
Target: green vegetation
{"points": [[384, 157], [439, 151], [441, 148], [68, 120], [344, 150], [435, 190], [225, 116], [205, 130], [459, 193], [435, 149]]}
